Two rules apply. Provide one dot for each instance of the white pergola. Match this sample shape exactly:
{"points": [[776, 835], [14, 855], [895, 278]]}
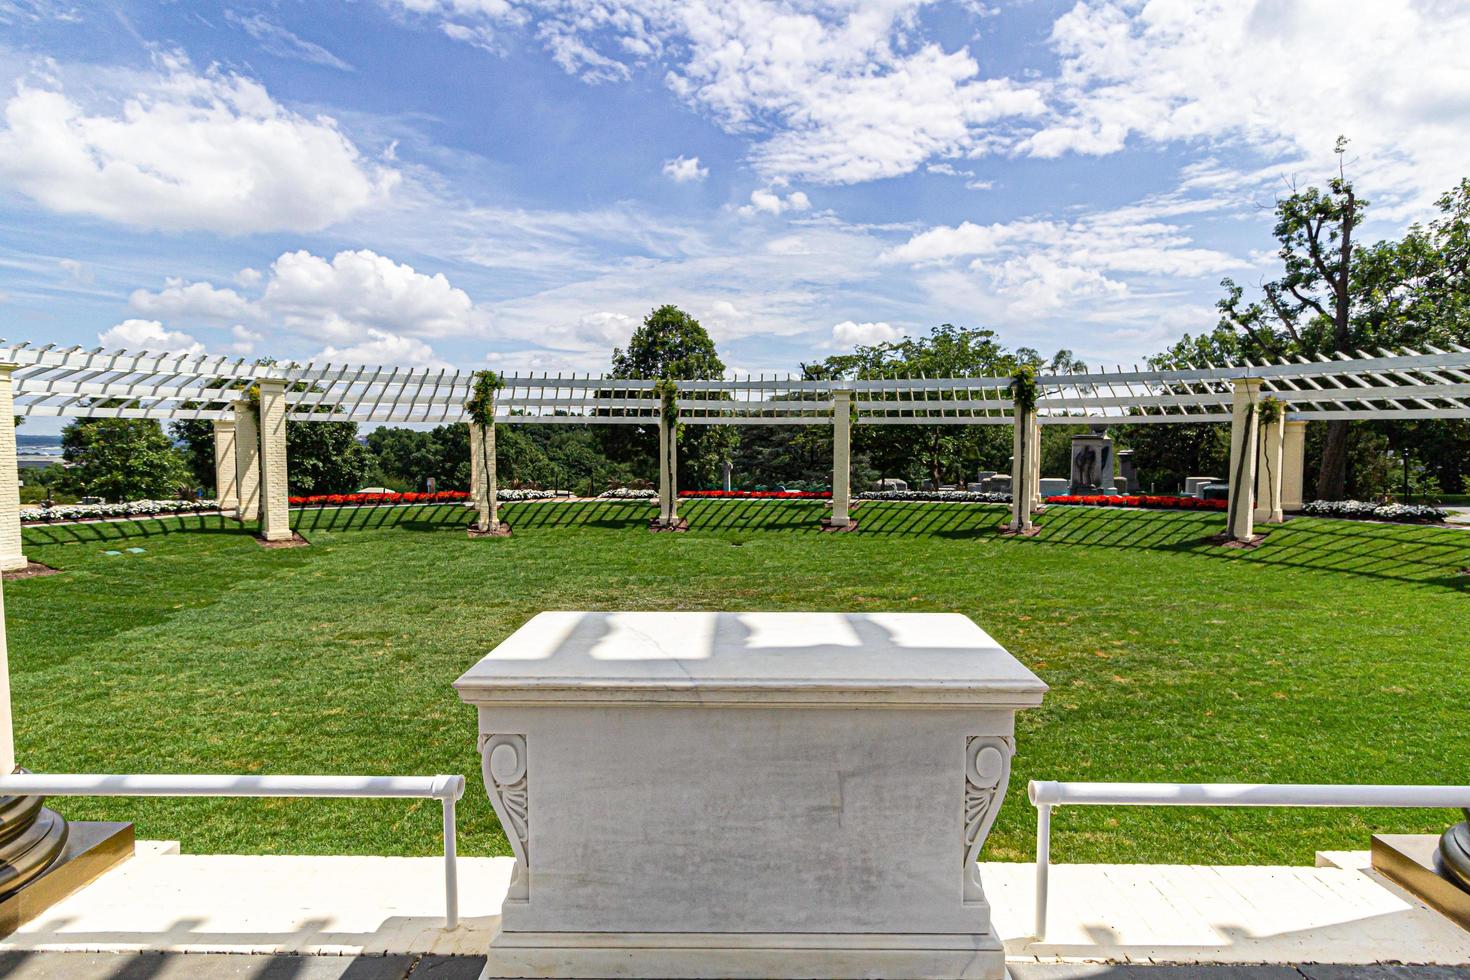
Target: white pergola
{"points": [[52, 381]]}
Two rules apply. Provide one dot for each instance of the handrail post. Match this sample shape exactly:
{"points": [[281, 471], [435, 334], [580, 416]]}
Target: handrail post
{"points": [[1043, 865], [451, 868]]}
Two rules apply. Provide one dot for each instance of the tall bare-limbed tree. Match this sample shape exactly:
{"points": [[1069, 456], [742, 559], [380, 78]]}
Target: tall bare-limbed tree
{"points": [[1310, 308]]}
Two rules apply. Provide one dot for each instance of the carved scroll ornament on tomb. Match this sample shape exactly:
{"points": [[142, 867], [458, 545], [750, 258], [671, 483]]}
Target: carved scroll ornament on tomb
{"points": [[503, 760], [987, 771]]}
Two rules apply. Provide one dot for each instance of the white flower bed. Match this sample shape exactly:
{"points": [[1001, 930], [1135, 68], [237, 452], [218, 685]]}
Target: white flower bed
{"points": [[1368, 510], [513, 495], [949, 496], [627, 493], [133, 508]]}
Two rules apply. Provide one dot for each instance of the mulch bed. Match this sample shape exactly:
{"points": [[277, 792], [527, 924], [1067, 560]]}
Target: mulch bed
{"points": [[33, 570], [1226, 541], [680, 524], [501, 530], [829, 527], [294, 541], [1031, 532]]}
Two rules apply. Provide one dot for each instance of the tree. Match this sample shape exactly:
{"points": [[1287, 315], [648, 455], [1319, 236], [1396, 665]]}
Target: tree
{"points": [[321, 457], [409, 458], [122, 459], [1309, 309], [671, 344], [325, 457], [939, 452]]}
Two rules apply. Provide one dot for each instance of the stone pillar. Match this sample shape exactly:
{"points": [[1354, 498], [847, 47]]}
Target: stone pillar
{"points": [[1034, 474], [226, 479], [1268, 472], [1241, 511], [11, 551], [275, 503], [247, 461], [1021, 470], [841, 458], [668, 469], [484, 489], [1293, 460]]}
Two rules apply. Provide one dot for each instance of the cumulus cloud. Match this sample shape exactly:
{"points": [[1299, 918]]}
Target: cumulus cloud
{"points": [[357, 304], [149, 335], [684, 170], [1392, 78], [186, 151], [771, 202], [850, 334], [382, 348]]}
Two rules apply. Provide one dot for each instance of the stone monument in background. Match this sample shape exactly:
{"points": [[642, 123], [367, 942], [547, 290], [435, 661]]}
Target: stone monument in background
{"points": [[1092, 463]]}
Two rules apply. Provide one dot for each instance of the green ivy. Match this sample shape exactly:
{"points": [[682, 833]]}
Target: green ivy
{"points": [[1270, 409], [481, 406], [1023, 387]]}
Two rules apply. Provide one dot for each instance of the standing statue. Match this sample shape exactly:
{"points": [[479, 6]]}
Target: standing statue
{"points": [[1087, 466]]}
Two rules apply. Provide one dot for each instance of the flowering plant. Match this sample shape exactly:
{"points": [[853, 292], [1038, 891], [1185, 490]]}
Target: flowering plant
{"points": [[1368, 510], [947, 496], [759, 494], [133, 508]]}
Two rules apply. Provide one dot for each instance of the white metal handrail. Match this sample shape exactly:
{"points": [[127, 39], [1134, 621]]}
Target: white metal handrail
{"points": [[1047, 795], [446, 789]]}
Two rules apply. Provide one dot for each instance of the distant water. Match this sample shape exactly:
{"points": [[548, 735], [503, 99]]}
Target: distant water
{"points": [[31, 444]]}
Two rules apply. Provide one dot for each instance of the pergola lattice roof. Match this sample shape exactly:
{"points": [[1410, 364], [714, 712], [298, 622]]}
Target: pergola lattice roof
{"points": [[54, 381]]}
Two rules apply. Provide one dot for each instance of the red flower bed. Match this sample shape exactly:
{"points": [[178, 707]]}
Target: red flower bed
{"points": [[349, 499], [1140, 500], [759, 494]]}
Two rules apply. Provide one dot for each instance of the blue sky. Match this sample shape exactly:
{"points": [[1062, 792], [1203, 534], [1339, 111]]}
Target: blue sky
{"points": [[515, 184]]}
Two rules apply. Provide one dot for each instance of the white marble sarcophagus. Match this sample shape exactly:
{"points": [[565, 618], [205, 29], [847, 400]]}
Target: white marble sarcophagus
{"points": [[747, 794]]}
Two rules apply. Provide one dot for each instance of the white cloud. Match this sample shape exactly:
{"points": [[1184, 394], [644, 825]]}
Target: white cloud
{"points": [[357, 304], [684, 170], [186, 151], [179, 298], [829, 91], [359, 290], [281, 42], [1390, 74], [850, 334], [947, 170], [76, 271], [382, 348], [244, 339], [771, 202], [1038, 266], [149, 335]]}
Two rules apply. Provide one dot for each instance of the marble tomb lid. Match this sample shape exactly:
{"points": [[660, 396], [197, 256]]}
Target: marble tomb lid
{"points": [[723, 657]]}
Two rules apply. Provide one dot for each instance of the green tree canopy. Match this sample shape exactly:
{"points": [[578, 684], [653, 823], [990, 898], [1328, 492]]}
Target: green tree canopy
{"points": [[671, 344], [123, 459]]}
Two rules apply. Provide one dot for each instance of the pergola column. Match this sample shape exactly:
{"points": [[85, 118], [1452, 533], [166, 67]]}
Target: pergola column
{"points": [[275, 501], [841, 459], [1293, 462], [226, 479], [1021, 452], [1241, 510], [1035, 456], [11, 551], [247, 461], [668, 469], [1268, 473], [484, 490]]}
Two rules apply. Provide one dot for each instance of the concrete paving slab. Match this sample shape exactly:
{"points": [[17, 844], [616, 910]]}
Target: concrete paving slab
{"points": [[188, 966], [1141, 915], [1134, 971]]}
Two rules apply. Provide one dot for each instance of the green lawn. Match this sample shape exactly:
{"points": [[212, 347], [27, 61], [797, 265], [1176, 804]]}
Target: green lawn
{"points": [[1334, 653]]}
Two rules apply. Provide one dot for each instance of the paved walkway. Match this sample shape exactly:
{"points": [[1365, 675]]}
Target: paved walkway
{"points": [[223, 966], [380, 908]]}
